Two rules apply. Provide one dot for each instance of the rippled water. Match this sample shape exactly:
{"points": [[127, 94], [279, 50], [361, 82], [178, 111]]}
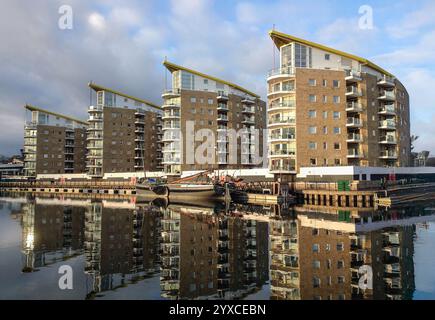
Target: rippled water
{"points": [[125, 248]]}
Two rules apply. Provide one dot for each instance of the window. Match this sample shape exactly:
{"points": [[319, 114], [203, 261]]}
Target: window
{"points": [[325, 99], [316, 282], [337, 130], [316, 248], [315, 232], [312, 82], [325, 130], [192, 99], [312, 145], [336, 83], [328, 247], [337, 146], [340, 246], [336, 99], [336, 115], [327, 56], [312, 114], [210, 101], [325, 114], [316, 264], [325, 82], [340, 279], [205, 81], [313, 161], [312, 98], [193, 110], [329, 280], [325, 147], [312, 130], [340, 264], [337, 162]]}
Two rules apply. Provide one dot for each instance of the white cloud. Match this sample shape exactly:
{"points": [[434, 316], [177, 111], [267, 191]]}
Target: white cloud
{"points": [[97, 21]]}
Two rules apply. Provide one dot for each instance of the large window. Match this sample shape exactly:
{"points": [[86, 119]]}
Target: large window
{"points": [[187, 81]]}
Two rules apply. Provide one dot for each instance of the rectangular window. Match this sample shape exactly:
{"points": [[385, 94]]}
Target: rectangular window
{"points": [[316, 264], [315, 248], [337, 162], [325, 114], [340, 246], [316, 282], [336, 115], [336, 99], [325, 99], [325, 82], [325, 130], [327, 56], [312, 98], [336, 83], [192, 99], [210, 101], [337, 130], [313, 162], [312, 145], [312, 114], [312, 82], [337, 146], [312, 130]]}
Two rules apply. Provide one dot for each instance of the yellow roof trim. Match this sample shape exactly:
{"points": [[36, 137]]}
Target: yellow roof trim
{"points": [[174, 67], [280, 39], [33, 108], [101, 88]]}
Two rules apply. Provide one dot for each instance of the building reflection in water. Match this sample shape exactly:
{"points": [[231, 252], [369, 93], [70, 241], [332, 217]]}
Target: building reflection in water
{"points": [[122, 243], [51, 233], [209, 252], [322, 255], [210, 255]]}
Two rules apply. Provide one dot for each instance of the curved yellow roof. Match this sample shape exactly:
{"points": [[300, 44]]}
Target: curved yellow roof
{"points": [[281, 39], [174, 67], [33, 108], [101, 88]]}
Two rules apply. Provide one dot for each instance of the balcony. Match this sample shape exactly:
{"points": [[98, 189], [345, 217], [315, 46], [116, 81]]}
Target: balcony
{"points": [[171, 160], [95, 118], [388, 140], [282, 137], [353, 92], [388, 109], [248, 100], [387, 125], [277, 90], [354, 107], [222, 107], [171, 106], [169, 126], [282, 121], [387, 96], [283, 105], [354, 138], [171, 93], [386, 81], [222, 139], [283, 152], [280, 73], [171, 150], [173, 114], [353, 76], [248, 110], [170, 137], [222, 118], [139, 121], [248, 120], [95, 109], [222, 128], [139, 139], [354, 154], [222, 96], [388, 154], [354, 123]]}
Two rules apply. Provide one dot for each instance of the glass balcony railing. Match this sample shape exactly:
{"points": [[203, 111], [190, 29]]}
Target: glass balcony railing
{"points": [[289, 120], [286, 71]]}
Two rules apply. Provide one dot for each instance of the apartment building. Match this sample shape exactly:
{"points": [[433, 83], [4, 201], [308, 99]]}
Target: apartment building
{"points": [[331, 108], [123, 133], [53, 143], [217, 105]]}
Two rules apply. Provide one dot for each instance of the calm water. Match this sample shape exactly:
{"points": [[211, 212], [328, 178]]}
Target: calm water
{"points": [[129, 249]]}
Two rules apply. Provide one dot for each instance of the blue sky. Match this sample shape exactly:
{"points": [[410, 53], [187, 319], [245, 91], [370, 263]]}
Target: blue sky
{"points": [[121, 44]]}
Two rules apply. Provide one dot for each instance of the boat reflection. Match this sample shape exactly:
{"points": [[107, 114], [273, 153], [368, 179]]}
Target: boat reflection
{"points": [[218, 251]]}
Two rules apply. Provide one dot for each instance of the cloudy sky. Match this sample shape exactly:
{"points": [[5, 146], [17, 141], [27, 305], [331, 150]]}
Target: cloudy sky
{"points": [[121, 44]]}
